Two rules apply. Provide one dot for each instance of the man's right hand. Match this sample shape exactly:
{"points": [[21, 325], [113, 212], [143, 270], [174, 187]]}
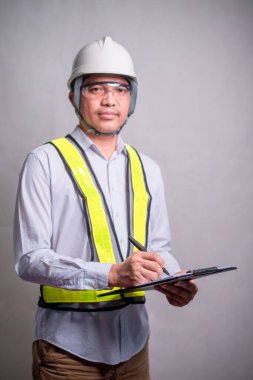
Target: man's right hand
{"points": [[138, 268]]}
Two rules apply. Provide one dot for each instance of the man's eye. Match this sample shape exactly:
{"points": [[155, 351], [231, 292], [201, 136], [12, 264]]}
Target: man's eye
{"points": [[96, 90], [122, 90]]}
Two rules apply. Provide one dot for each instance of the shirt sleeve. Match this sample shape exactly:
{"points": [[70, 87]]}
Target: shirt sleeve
{"points": [[35, 260], [160, 235]]}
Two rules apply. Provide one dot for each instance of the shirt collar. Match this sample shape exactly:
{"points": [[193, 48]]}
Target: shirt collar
{"points": [[86, 143]]}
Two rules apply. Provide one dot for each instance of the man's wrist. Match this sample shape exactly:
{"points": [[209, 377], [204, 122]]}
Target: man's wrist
{"points": [[113, 275]]}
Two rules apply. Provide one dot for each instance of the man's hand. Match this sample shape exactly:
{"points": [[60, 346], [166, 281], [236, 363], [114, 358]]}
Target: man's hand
{"points": [[138, 268], [180, 293]]}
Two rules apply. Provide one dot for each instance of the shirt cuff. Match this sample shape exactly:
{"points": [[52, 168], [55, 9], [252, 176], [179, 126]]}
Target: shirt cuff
{"points": [[96, 275]]}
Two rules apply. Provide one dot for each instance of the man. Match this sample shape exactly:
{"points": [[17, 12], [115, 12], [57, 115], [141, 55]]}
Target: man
{"points": [[79, 199]]}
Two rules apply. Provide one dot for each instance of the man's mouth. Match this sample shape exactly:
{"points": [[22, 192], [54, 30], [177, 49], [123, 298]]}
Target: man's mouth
{"points": [[107, 115]]}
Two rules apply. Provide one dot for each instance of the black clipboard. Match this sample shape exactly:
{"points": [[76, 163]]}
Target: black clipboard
{"points": [[189, 275]]}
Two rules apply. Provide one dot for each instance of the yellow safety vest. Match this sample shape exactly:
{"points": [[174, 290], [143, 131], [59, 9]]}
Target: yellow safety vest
{"points": [[99, 225]]}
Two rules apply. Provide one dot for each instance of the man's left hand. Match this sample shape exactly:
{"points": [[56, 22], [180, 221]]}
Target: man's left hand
{"points": [[180, 293]]}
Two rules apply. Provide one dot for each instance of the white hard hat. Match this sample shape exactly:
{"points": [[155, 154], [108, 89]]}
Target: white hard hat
{"points": [[103, 56]]}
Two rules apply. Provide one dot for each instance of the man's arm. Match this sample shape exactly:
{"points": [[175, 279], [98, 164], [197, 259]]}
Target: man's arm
{"points": [[35, 259], [180, 293]]}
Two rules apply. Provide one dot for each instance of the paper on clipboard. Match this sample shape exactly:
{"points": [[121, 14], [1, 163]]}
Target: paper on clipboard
{"points": [[192, 274]]}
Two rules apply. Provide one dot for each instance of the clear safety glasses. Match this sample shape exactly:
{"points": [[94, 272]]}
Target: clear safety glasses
{"points": [[98, 90]]}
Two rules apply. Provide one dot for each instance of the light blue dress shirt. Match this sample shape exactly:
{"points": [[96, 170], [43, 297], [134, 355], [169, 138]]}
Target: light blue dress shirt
{"points": [[51, 248]]}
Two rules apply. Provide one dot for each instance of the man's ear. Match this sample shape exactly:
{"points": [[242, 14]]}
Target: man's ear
{"points": [[71, 96]]}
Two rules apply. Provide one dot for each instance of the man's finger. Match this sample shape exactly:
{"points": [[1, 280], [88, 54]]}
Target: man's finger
{"points": [[152, 256]]}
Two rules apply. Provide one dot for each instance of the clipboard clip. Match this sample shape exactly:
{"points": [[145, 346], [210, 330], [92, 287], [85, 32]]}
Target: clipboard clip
{"points": [[203, 271]]}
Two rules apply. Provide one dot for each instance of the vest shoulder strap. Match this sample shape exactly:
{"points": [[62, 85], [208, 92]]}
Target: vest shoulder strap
{"points": [[85, 182]]}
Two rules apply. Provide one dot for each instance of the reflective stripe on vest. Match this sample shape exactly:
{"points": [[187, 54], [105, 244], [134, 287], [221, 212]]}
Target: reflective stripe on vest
{"points": [[140, 197], [65, 299]]}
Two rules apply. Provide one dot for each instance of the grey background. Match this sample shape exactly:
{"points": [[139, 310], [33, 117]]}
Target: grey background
{"points": [[194, 117]]}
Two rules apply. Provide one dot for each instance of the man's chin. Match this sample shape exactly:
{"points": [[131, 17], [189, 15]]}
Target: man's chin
{"points": [[105, 129]]}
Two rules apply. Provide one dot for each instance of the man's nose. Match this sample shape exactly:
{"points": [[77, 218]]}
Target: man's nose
{"points": [[108, 98]]}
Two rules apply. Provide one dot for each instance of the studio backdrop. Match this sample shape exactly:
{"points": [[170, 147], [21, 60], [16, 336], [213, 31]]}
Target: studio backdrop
{"points": [[194, 117]]}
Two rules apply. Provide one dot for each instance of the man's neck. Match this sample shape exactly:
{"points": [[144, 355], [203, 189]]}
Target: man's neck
{"points": [[106, 144]]}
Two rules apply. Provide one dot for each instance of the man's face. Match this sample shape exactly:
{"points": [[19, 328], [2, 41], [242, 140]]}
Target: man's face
{"points": [[108, 112]]}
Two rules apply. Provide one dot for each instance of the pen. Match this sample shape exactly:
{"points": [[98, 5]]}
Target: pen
{"points": [[142, 248]]}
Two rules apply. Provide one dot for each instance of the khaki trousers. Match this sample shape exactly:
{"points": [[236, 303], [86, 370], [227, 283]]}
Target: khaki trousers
{"points": [[53, 363]]}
